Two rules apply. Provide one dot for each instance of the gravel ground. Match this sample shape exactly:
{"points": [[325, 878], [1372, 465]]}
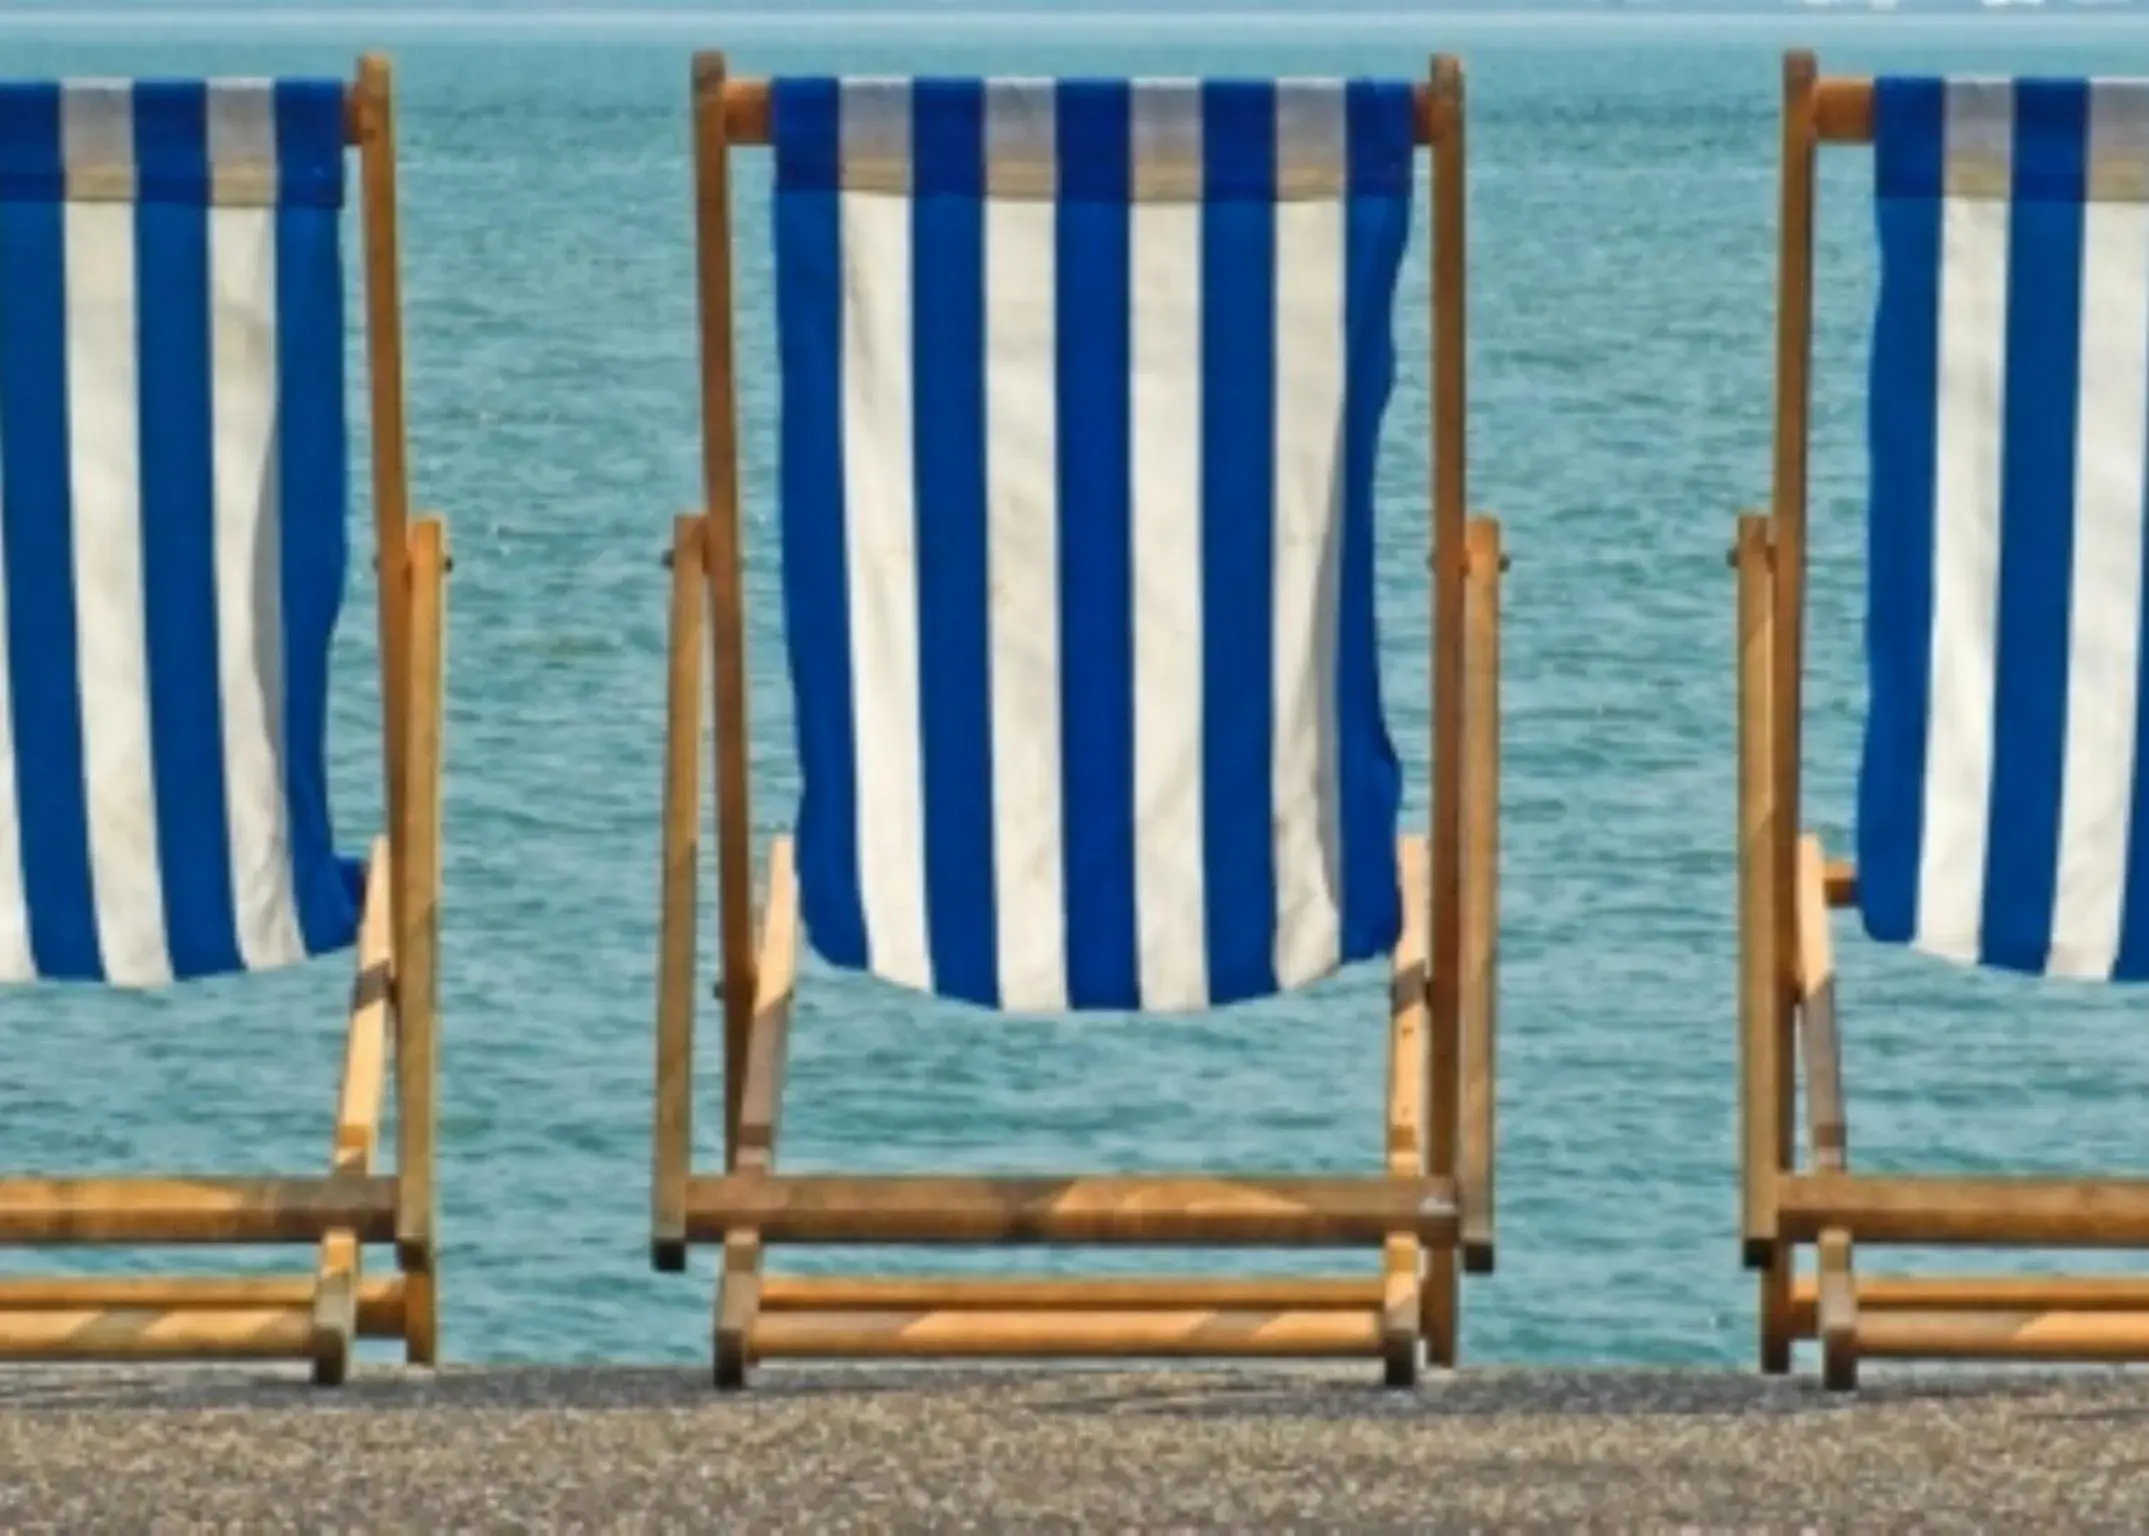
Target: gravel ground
{"points": [[606, 1447]]}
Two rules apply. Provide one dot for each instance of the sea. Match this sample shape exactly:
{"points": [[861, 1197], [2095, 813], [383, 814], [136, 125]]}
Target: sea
{"points": [[1623, 175]]}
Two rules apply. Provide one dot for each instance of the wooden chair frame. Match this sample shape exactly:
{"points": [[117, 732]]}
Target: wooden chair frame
{"points": [[312, 1317], [1787, 982], [1435, 1196]]}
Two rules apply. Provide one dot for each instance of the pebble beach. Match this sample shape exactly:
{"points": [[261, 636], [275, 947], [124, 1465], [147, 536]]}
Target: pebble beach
{"points": [[608, 1448]]}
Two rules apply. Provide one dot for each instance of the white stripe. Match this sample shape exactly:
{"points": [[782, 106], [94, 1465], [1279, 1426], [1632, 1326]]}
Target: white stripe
{"points": [[1022, 540], [249, 605], [242, 140], [881, 547], [104, 466], [1966, 534], [17, 963], [2104, 610], [1307, 526], [1165, 453]]}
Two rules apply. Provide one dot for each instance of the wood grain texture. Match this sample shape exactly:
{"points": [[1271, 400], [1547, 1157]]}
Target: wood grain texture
{"points": [[671, 1143], [723, 561], [1478, 917]]}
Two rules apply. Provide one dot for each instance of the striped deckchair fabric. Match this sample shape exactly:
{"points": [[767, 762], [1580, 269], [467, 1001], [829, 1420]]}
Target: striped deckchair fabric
{"points": [[1082, 388], [172, 504], [2004, 804], [174, 484]]}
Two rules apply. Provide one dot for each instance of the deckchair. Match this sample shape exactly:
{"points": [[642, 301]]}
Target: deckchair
{"points": [[2001, 791], [173, 489], [1081, 383]]}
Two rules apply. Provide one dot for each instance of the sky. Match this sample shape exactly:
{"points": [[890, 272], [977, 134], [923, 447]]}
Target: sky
{"points": [[768, 9]]}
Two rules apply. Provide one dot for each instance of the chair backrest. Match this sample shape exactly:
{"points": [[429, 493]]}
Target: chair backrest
{"points": [[172, 540], [2003, 805], [1082, 385]]}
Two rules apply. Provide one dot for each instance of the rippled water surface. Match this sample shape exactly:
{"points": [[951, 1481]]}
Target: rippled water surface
{"points": [[1623, 240]]}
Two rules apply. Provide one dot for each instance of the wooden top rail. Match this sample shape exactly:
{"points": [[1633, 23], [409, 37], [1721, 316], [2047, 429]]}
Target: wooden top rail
{"points": [[746, 106], [1843, 110]]}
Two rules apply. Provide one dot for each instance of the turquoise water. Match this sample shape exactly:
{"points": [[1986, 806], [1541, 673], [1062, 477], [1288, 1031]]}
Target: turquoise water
{"points": [[1623, 228]]}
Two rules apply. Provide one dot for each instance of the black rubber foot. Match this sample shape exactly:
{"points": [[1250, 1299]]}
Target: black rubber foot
{"points": [[1477, 1259], [667, 1257], [1757, 1252]]}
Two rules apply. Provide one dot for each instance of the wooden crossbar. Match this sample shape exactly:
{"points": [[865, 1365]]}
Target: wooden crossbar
{"points": [[1992, 1293], [748, 120], [380, 1300], [845, 1293], [1843, 111], [2054, 1337], [1160, 1210], [1085, 1334], [202, 1209], [1944, 1210], [139, 1333]]}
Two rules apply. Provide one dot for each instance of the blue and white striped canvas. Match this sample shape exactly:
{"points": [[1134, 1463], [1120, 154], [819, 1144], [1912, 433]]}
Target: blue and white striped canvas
{"points": [[2004, 806], [1082, 383], [172, 542]]}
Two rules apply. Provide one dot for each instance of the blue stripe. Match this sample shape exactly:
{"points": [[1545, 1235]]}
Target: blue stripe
{"points": [[309, 143], [45, 700], [1096, 544], [1238, 420], [1369, 780], [954, 600], [2044, 319], [806, 133], [313, 495], [1909, 125], [32, 165], [171, 242], [817, 623]]}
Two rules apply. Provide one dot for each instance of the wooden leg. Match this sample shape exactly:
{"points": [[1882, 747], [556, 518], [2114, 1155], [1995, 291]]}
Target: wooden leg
{"points": [[1779, 1269], [1437, 1297], [1827, 1129], [1774, 1296], [421, 1317], [1403, 1256], [673, 1145], [1763, 1124], [335, 1309], [738, 1296], [738, 1303], [1838, 1313], [358, 1118], [418, 910]]}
